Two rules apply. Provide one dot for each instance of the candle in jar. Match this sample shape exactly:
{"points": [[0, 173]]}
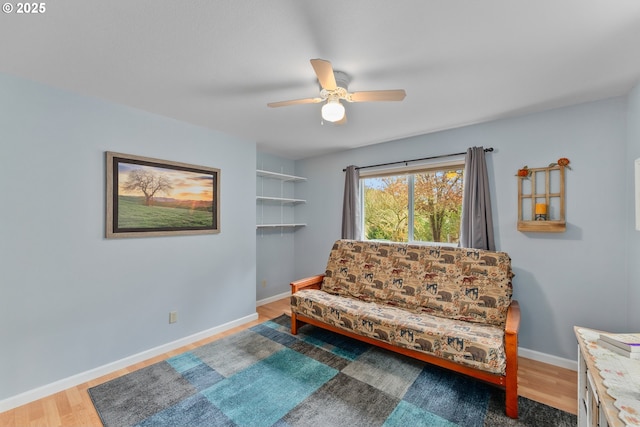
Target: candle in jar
{"points": [[541, 209]]}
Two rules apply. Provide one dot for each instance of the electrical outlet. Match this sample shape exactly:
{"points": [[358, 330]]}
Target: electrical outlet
{"points": [[264, 283], [173, 317]]}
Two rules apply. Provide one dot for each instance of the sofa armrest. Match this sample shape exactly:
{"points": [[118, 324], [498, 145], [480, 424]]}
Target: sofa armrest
{"points": [[313, 282], [513, 319], [511, 351]]}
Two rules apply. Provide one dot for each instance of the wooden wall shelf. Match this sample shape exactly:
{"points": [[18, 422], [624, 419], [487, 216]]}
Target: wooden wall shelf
{"points": [[543, 226], [543, 186]]}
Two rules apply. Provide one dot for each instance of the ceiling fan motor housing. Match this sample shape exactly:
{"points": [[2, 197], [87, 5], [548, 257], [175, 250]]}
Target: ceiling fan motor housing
{"points": [[340, 92]]}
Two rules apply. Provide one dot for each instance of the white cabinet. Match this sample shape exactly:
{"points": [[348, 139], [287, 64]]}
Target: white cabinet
{"points": [[608, 384], [590, 410], [275, 201]]}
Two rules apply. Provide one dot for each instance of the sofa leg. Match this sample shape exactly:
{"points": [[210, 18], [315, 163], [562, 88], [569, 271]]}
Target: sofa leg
{"points": [[511, 398], [512, 406], [294, 324], [511, 380]]}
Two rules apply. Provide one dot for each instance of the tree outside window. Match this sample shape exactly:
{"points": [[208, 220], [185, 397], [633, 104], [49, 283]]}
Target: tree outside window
{"points": [[424, 206], [386, 212]]}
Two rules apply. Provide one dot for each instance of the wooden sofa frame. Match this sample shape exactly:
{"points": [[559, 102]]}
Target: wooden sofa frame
{"points": [[509, 381]]}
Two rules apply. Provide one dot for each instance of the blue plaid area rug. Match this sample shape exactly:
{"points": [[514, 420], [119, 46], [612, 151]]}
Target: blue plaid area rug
{"points": [[264, 376]]}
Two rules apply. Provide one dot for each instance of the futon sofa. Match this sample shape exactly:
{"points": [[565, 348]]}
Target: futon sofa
{"points": [[447, 306]]}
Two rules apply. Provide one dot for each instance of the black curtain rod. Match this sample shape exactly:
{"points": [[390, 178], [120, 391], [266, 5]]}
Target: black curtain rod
{"points": [[486, 150]]}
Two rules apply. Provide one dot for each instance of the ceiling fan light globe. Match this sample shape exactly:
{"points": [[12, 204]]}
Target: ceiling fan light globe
{"points": [[333, 111]]}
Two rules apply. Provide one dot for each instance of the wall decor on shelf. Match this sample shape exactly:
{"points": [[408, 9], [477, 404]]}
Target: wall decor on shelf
{"points": [[541, 198], [151, 197]]}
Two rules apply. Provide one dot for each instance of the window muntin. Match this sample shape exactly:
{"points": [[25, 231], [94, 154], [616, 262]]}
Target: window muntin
{"points": [[416, 206]]}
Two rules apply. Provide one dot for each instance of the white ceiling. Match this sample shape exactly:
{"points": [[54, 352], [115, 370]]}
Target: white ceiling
{"points": [[217, 63]]}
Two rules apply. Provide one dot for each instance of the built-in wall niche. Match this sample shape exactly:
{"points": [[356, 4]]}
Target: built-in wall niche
{"points": [[541, 198], [275, 203]]}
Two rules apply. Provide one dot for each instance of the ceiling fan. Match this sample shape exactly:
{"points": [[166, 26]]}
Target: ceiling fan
{"points": [[334, 89]]}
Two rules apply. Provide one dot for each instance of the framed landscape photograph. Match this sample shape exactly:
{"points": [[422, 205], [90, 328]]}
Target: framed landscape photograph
{"points": [[151, 197]]}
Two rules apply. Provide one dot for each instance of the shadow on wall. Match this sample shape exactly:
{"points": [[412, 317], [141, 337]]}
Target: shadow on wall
{"points": [[573, 232], [539, 332]]}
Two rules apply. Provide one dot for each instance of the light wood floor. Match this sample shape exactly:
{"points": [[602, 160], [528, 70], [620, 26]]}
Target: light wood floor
{"points": [[538, 381]]}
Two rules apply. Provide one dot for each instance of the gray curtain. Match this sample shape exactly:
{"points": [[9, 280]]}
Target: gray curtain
{"points": [[476, 228], [351, 205]]}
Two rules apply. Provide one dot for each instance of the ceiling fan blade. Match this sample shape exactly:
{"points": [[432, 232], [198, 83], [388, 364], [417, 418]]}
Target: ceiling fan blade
{"points": [[324, 71], [377, 95], [295, 102]]}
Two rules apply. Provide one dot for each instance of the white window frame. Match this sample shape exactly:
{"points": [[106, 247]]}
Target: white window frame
{"points": [[457, 162]]}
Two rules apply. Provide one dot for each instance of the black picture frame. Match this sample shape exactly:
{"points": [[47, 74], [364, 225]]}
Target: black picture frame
{"points": [[152, 197]]}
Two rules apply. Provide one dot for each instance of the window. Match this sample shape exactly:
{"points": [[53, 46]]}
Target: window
{"points": [[414, 205]]}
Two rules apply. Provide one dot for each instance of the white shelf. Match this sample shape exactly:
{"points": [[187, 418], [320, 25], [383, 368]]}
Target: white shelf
{"points": [[280, 200], [287, 204], [280, 176]]}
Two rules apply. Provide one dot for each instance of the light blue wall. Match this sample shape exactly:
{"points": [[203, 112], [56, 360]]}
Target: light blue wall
{"points": [[633, 244], [566, 279], [275, 246], [71, 300]]}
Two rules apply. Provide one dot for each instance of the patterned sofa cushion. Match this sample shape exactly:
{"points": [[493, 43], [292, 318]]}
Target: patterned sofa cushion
{"points": [[475, 345], [456, 283]]}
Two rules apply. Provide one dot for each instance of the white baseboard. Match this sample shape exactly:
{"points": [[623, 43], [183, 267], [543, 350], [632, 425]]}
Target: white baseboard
{"points": [[272, 299], [83, 377], [548, 358]]}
